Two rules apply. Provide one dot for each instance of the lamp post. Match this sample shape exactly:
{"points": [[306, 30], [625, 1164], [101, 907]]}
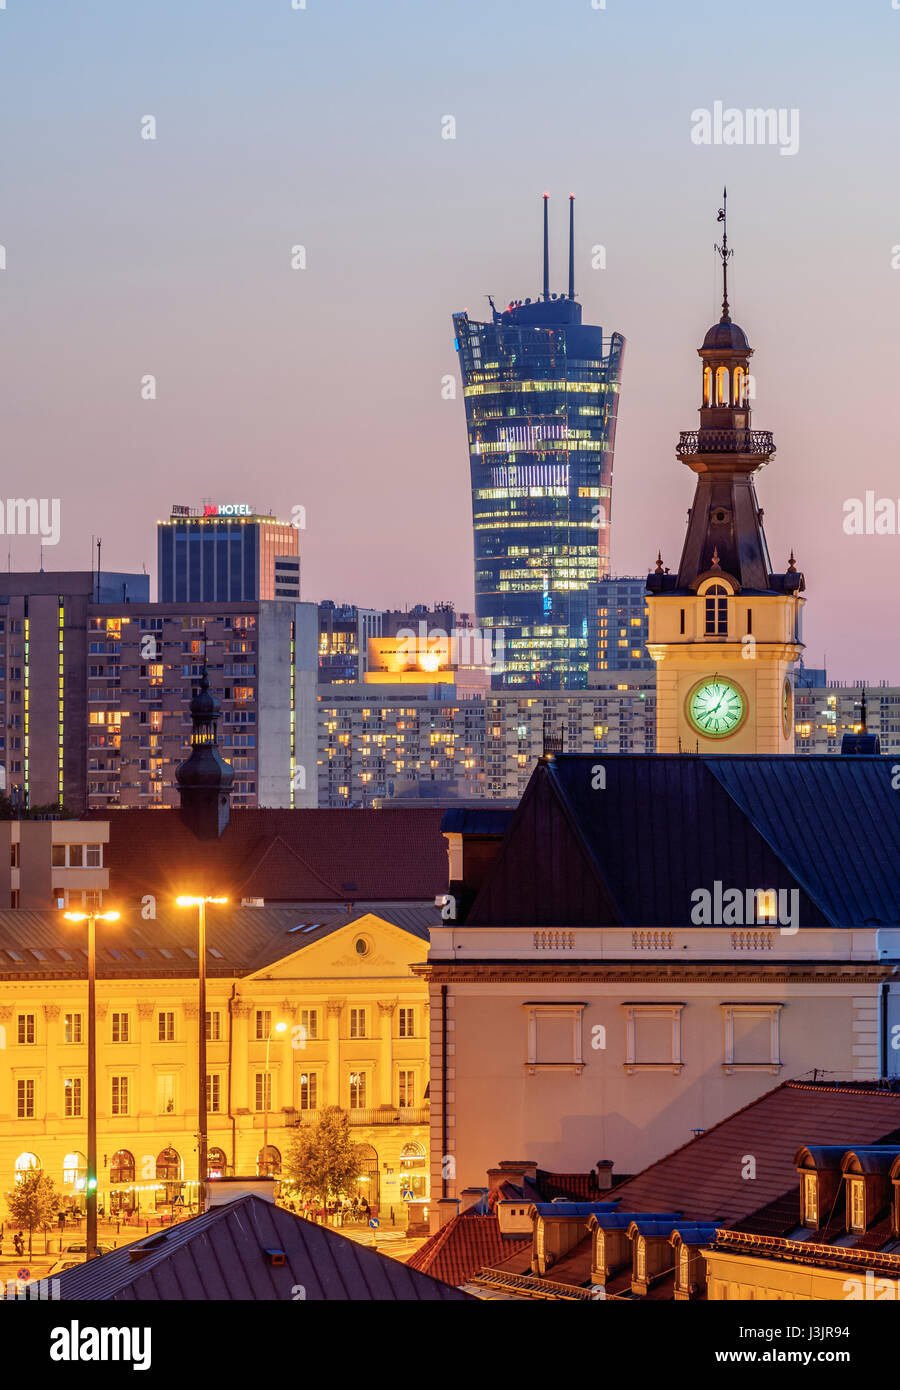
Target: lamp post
{"points": [[202, 1176], [90, 1245], [276, 1028]]}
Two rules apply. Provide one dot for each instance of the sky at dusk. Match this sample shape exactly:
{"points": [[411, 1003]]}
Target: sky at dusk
{"points": [[322, 387]]}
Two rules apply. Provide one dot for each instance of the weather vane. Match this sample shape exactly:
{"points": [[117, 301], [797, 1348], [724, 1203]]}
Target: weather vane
{"points": [[724, 252]]}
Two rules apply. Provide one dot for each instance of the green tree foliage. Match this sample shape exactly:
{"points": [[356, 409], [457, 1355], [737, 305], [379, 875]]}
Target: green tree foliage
{"points": [[32, 1202], [323, 1160]]}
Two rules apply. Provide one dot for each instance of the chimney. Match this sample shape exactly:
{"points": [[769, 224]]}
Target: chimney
{"points": [[470, 1197], [604, 1168]]}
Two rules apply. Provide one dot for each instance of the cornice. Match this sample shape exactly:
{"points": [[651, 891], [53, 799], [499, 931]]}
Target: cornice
{"points": [[575, 972]]}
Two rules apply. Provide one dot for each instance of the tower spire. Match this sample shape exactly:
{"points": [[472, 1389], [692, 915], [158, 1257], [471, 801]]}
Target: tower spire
{"points": [[725, 254], [546, 246], [571, 245]]}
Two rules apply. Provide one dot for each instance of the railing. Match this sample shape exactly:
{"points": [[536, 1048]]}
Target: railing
{"points": [[554, 940], [652, 940], [757, 442], [529, 1283], [382, 1115], [752, 940]]}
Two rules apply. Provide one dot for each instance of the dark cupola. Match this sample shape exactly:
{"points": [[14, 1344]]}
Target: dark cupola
{"points": [[204, 778], [725, 536]]}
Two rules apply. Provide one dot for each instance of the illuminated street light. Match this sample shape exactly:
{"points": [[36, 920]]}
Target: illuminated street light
{"points": [[90, 1185], [200, 904]]}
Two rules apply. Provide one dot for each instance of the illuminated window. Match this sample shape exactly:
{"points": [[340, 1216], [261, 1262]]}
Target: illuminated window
{"points": [[717, 611], [721, 386]]}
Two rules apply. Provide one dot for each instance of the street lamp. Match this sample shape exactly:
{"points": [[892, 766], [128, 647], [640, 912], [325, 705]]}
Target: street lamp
{"points": [[277, 1028], [200, 904], [90, 1245]]}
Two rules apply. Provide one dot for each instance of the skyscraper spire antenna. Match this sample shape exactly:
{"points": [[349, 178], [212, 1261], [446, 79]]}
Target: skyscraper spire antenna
{"points": [[725, 254], [571, 245], [546, 246]]}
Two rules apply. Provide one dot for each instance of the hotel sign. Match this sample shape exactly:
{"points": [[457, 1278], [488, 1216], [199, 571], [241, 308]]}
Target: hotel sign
{"points": [[228, 509]]}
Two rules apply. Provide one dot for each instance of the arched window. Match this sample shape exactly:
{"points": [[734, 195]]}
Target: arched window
{"points": [[215, 1163], [121, 1177], [168, 1173], [24, 1162], [123, 1166], [75, 1169], [707, 385], [740, 386], [640, 1263], [413, 1175], [268, 1162], [721, 386], [717, 611], [368, 1182], [684, 1266]]}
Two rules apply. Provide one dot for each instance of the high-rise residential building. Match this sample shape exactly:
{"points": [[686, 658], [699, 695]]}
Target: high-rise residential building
{"points": [[43, 680], [617, 625], [541, 393], [144, 664], [225, 552]]}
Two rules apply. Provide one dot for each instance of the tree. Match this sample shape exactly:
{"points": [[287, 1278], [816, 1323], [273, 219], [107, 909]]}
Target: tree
{"points": [[32, 1202], [323, 1160]]}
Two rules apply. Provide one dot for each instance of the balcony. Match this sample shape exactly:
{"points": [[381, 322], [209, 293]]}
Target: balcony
{"points": [[383, 1115], [757, 442]]}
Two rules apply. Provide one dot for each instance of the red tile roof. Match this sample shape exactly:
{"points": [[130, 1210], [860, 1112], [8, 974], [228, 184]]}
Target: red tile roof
{"points": [[465, 1245], [704, 1178], [309, 856]]}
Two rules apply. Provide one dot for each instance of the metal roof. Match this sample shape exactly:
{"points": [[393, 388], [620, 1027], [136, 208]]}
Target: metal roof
{"points": [[223, 1255], [634, 851]]}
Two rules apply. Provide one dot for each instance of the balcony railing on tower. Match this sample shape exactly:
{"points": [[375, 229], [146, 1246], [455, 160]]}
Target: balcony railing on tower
{"points": [[758, 442]]}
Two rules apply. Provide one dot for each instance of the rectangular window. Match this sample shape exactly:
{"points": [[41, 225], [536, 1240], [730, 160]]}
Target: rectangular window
{"points": [[810, 1200], [213, 1026], [25, 1099], [357, 1023], [165, 1093], [407, 1023], [309, 1090], [653, 1037], [25, 1029], [119, 1096], [94, 856], [166, 1021], [407, 1088], [214, 1093], [121, 1028], [72, 1095], [357, 1090], [58, 856], [72, 1028], [309, 1022], [263, 1024], [76, 856], [263, 1091]]}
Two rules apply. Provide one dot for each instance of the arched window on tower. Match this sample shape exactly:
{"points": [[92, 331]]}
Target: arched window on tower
{"points": [[740, 386], [707, 385], [717, 611], [722, 386]]}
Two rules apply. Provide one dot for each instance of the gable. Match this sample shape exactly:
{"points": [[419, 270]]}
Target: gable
{"points": [[391, 952]]}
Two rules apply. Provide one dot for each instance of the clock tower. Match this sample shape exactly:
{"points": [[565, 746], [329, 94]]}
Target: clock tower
{"points": [[725, 631]]}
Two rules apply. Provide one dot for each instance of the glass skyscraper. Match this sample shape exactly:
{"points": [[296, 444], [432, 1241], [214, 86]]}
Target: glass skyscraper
{"points": [[542, 392]]}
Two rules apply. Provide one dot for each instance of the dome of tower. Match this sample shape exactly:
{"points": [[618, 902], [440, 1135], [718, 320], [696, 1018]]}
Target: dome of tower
{"points": [[725, 336]]}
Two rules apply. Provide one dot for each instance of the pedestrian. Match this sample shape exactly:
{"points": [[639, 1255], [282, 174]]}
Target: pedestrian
{"points": [[19, 1243], [61, 1219]]}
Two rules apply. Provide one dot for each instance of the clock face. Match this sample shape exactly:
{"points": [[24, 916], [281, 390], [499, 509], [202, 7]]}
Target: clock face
{"points": [[716, 707], [787, 708]]}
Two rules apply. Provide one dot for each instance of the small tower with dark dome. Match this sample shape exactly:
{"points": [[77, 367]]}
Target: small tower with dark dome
{"points": [[725, 630], [204, 778]]}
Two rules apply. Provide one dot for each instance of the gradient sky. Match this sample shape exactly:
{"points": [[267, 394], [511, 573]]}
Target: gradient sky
{"points": [[322, 387]]}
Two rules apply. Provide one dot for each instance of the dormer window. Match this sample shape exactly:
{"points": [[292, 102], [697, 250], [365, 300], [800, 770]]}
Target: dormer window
{"points": [[640, 1258], [684, 1268], [857, 1204], [717, 611], [810, 1216]]}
